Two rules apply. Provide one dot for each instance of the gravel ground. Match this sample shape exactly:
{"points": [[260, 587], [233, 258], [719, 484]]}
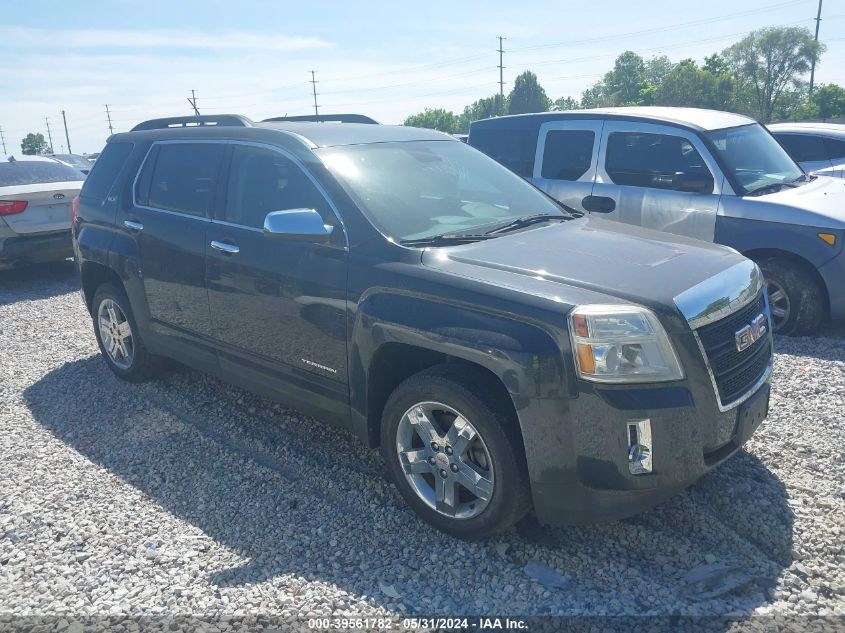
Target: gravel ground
{"points": [[189, 496]]}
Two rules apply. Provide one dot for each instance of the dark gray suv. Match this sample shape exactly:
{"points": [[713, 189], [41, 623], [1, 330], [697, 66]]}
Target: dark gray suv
{"points": [[504, 353]]}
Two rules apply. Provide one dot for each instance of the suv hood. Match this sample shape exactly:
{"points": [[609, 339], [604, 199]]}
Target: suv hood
{"points": [[820, 203], [610, 260]]}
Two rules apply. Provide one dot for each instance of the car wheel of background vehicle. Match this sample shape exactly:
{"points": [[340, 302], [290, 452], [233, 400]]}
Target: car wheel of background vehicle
{"points": [[118, 338], [795, 298], [454, 458]]}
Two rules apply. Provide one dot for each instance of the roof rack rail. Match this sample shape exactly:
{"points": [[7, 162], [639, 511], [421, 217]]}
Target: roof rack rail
{"points": [[325, 118], [203, 120]]}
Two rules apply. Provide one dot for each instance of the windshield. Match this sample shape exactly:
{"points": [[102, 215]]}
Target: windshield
{"points": [[28, 172], [423, 189], [80, 162], [754, 157]]}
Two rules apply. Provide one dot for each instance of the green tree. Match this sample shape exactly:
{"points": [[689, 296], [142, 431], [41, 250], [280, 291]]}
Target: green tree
{"points": [[627, 81], [527, 95], [657, 69], [481, 109], [596, 97], [691, 86], [35, 144], [770, 61], [566, 103], [830, 101], [435, 119]]}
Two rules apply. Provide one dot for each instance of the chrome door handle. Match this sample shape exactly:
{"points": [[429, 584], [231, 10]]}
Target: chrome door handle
{"points": [[229, 249], [132, 224]]}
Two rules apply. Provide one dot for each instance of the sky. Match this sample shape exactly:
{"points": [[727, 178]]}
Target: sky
{"points": [[385, 59]]}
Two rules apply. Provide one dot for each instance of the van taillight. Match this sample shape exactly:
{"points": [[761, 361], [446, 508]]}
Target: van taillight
{"points": [[74, 210], [11, 207]]}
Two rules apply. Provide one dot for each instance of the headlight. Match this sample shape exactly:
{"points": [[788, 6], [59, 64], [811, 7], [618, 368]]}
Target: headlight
{"points": [[618, 343]]}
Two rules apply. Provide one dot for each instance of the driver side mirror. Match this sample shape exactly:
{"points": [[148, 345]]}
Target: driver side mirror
{"points": [[693, 182], [297, 225]]}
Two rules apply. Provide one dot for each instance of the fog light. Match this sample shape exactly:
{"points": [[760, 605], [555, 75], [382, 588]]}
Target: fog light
{"points": [[639, 447]]}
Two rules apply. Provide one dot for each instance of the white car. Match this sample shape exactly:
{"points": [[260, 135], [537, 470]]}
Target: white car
{"points": [[35, 207], [818, 147]]}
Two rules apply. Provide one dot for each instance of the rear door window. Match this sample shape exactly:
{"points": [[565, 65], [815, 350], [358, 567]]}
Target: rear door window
{"points": [[30, 172], [650, 160], [803, 147], [105, 170], [181, 177], [567, 154], [262, 181], [835, 149], [512, 148]]}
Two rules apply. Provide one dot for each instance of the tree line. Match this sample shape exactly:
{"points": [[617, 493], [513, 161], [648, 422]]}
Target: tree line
{"points": [[763, 76]]}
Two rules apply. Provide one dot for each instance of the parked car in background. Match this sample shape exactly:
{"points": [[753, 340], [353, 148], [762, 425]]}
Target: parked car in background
{"points": [[818, 147], [505, 354], [710, 175], [35, 209], [74, 160]]}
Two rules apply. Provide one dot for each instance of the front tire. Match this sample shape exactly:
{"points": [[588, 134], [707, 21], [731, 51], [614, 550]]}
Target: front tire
{"points": [[118, 337], [455, 460], [796, 299]]}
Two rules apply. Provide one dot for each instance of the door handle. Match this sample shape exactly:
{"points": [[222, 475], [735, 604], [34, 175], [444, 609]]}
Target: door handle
{"points": [[133, 225], [598, 204], [229, 249]]}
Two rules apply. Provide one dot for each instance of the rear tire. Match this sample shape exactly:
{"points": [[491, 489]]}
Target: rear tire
{"points": [[474, 453], [118, 336], [795, 297]]}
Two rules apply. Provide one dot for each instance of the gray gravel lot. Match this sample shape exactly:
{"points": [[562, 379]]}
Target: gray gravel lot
{"points": [[188, 496]]}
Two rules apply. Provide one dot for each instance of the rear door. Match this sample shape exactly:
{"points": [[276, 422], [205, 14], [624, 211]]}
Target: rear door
{"points": [[639, 179], [47, 189], [566, 160], [174, 198]]}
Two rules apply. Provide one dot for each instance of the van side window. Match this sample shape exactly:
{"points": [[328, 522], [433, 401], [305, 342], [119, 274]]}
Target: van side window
{"points": [[181, 177], [803, 147], [650, 160], [512, 148], [835, 149], [105, 170], [261, 181], [567, 154]]}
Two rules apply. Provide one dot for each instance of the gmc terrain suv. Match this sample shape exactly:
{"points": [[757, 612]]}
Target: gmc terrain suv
{"points": [[504, 353], [711, 175]]}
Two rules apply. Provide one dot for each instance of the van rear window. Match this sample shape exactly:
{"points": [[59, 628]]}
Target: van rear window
{"points": [[512, 148], [105, 170]]}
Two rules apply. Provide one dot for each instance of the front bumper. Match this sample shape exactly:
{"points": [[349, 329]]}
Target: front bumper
{"points": [[686, 443], [35, 248]]}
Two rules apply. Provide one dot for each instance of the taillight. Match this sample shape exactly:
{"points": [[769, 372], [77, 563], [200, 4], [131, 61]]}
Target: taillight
{"points": [[11, 207], [74, 210]]}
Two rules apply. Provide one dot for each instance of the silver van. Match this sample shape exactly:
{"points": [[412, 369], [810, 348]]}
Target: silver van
{"points": [[706, 174], [818, 147]]}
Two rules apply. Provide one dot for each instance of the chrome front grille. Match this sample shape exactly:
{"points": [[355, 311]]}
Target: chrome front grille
{"points": [[736, 373]]}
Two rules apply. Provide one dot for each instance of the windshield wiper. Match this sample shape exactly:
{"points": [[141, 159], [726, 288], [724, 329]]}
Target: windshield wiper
{"points": [[450, 239], [527, 220], [770, 188]]}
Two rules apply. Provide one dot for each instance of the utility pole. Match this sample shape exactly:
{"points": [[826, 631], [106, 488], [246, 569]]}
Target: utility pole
{"points": [[67, 138], [3, 140], [314, 90], [193, 101], [49, 135], [813, 66], [501, 78], [108, 116]]}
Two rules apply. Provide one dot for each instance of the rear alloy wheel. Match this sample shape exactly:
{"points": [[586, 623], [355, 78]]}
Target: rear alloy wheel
{"points": [[455, 458], [118, 336]]}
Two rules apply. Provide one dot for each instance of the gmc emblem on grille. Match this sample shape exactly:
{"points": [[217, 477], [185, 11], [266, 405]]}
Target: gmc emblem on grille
{"points": [[751, 333]]}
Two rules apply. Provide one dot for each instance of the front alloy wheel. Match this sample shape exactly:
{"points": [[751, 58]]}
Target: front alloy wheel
{"points": [[445, 460]]}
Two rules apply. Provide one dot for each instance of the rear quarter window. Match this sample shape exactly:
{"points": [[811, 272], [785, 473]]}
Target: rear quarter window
{"points": [[31, 172], [512, 148], [105, 170]]}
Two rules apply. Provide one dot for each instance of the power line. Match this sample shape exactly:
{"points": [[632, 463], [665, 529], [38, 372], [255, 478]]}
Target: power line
{"points": [[49, 135], [813, 66], [108, 116], [314, 90], [67, 137], [500, 105]]}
